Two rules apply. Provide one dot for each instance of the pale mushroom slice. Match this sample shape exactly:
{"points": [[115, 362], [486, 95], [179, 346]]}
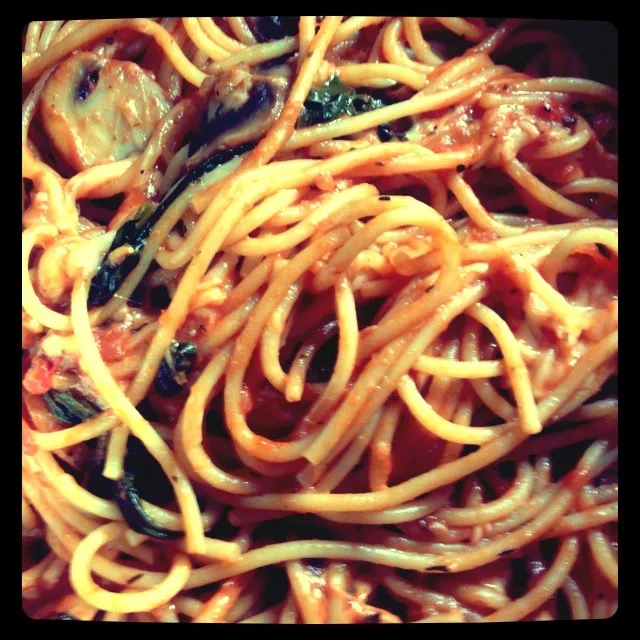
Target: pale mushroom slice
{"points": [[97, 110]]}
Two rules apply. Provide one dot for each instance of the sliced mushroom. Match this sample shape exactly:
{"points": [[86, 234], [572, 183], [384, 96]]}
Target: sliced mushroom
{"points": [[242, 108], [96, 110]]}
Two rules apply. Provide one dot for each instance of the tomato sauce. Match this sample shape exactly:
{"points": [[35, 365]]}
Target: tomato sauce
{"points": [[112, 342], [39, 377]]}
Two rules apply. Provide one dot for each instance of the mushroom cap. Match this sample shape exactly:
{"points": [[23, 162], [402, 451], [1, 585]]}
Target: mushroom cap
{"points": [[97, 110]]}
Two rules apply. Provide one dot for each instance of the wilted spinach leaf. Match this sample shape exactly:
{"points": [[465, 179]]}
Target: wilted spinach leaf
{"points": [[69, 409], [179, 361], [334, 99]]}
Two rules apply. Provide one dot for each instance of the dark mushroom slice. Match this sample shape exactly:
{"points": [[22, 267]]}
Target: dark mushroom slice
{"points": [[269, 28], [242, 109], [151, 481], [219, 118]]}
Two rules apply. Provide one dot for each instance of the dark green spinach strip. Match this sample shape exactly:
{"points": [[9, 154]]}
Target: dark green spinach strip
{"points": [[335, 99], [135, 232], [70, 409], [128, 499], [178, 362]]}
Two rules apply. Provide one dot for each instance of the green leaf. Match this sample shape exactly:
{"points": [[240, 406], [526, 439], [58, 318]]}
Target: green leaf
{"points": [[172, 374], [183, 356], [335, 99], [134, 233], [69, 409]]}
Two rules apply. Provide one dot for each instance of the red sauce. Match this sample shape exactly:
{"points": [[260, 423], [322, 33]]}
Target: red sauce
{"points": [[39, 378], [476, 234], [558, 170], [455, 132], [271, 414], [49, 598], [414, 453], [112, 342], [596, 164]]}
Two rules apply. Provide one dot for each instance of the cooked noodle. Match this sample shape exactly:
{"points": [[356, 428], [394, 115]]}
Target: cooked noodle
{"points": [[320, 322]]}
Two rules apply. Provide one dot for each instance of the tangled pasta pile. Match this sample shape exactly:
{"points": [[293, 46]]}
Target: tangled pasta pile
{"points": [[319, 322]]}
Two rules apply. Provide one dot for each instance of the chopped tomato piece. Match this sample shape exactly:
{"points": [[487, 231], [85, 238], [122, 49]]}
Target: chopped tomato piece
{"points": [[39, 377]]}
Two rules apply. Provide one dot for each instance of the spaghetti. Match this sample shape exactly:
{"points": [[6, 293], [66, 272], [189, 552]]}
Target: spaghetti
{"points": [[320, 322]]}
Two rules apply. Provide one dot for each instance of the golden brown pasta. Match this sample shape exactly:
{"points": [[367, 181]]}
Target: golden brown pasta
{"points": [[320, 321]]}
